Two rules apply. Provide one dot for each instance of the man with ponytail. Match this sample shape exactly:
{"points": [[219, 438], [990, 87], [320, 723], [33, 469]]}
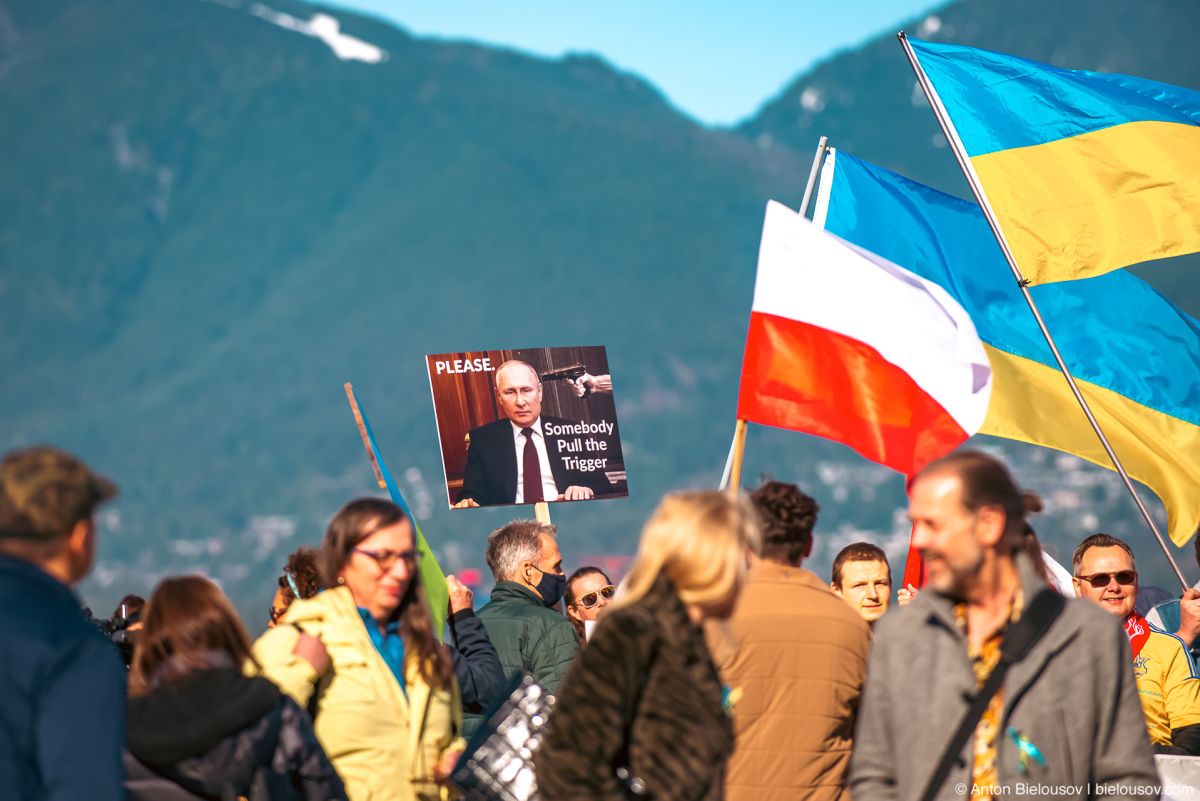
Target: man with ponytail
{"points": [[988, 682]]}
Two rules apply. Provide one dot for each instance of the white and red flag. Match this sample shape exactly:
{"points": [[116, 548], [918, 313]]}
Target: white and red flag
{"points": [[848, 346]]}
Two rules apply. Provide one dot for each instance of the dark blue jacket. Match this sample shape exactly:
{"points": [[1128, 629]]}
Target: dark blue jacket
{"points": [[476, 663], [62, 694]]}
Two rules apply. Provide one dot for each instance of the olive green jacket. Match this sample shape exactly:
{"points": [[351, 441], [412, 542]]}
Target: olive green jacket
{"points": [[529, 637]]}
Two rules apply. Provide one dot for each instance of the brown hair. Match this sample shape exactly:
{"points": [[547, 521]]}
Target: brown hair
{"points": [[1099, 541], [302, 567], [355, 522], [986, 482], [858, 552], [133, 605], [786, 517], [570, 599], [185, 618]]}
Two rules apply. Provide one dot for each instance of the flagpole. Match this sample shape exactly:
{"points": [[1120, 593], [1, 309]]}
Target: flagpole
{"points": [[729, 460], [739, 445], [964, 163], [733, 463], [822, 146]]}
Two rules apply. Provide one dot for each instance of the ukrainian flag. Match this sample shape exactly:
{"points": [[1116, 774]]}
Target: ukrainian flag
{"points": [[433, 580], [1087, 172], [1135, 355]]}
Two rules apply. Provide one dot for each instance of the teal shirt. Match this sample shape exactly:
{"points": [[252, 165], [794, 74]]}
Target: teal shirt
{"points": [[389, 644]]}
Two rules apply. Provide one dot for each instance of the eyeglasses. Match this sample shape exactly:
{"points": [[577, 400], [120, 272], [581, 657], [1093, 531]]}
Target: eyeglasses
{"points": [[277, 613], [590, 599], [385, 559], [1098, 580]]}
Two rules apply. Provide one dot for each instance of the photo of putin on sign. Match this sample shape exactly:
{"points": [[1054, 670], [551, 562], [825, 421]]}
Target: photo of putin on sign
{"points": [[525, 454]]}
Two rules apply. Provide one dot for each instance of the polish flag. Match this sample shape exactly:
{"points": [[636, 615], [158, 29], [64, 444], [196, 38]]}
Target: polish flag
{"points": [[848, 346]]}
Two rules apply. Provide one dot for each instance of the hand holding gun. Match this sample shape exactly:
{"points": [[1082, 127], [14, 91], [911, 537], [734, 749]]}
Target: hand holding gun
{"points": [[571, 374]]}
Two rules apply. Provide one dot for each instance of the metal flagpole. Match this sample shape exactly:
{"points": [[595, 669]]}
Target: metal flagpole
{"points": [[964, 162], [729, 462], [733, 463], [822, 146]]}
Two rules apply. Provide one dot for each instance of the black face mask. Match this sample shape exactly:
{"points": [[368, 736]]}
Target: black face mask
{"points": [[551, 587]]}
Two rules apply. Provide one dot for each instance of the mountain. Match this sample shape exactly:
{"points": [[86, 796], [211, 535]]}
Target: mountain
{"points": [[209, 221]]}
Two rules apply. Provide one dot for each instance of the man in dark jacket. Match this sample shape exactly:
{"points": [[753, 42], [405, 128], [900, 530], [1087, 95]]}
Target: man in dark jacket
{"points": [[521, 458], [476, 663], [528, 634], [63, 698]]}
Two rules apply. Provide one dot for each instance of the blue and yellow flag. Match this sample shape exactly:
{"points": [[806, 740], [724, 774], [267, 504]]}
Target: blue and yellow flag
{"points": [[1087, 172], [1135, 355], [433, 580]]}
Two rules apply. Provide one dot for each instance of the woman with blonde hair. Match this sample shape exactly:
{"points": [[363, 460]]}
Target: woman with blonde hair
{"points": [[642, 710], [363, 657], [196, 725]]}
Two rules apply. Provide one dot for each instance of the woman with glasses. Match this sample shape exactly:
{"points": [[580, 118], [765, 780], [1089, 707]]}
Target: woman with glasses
{"points": [[362, 656], [642, 712], [588, 592]]}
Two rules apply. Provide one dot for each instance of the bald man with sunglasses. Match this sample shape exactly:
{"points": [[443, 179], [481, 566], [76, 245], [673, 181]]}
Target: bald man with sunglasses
{"points": [[1167, 679]]}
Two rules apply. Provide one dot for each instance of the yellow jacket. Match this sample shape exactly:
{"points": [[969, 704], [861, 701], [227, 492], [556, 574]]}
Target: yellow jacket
{"points": [[378, 739]]}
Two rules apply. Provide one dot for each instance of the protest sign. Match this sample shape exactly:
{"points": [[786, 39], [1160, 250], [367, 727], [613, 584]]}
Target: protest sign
{"points": [[525, 426]]}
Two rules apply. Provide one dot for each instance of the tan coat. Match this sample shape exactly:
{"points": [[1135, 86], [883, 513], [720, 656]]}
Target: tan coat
{"points": [[378, 739], [794, 657]]}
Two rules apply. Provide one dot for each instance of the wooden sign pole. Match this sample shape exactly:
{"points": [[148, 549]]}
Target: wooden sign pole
{"points": [[739, 445]]}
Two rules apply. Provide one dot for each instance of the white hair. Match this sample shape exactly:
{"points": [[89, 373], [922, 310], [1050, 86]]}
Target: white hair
{"points": [[514, 543]]}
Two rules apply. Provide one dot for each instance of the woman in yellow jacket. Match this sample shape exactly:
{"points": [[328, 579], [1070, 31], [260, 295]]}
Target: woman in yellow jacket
{"points": [[363, 657]]}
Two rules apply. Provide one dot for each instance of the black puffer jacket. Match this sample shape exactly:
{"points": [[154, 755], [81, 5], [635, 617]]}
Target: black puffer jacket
{"points": [[215, 733]]}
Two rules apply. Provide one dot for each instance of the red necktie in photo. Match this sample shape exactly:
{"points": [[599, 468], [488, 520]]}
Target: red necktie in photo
{"points": [[532, 470]]}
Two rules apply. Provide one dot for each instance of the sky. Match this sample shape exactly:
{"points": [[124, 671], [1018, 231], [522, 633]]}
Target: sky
{"points": [[717, 62]]}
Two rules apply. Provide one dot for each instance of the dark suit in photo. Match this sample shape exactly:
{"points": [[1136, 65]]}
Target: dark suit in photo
{"points": [[490, 478]]}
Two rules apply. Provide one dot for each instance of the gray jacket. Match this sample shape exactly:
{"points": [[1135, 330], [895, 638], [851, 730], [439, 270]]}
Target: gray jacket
{"points": [[1074, 696]]}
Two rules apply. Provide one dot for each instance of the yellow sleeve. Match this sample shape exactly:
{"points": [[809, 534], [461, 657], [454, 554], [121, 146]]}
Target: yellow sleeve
{"points": [[1181, 687], [294, 675]]}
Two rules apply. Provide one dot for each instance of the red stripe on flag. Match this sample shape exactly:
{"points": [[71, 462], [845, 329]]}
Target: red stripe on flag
{"points": [[805, 378], [914, 566]]}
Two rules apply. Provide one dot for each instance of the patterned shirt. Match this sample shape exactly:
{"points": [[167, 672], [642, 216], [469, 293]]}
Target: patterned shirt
{"points": [[984, 658]]}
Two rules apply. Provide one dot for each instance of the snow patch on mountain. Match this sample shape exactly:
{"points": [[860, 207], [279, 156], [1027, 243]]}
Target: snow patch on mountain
{"points": [[328, 30]]}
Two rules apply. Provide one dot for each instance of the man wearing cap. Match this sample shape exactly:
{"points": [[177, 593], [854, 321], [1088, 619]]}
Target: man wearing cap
{"points": [[62, 683]]}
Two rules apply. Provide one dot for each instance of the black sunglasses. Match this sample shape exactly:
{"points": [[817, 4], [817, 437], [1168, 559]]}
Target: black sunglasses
{"points": [[1098, 580], [590, 599]]}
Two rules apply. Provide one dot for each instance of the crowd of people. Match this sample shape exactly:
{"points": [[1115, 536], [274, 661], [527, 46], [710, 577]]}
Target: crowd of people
{"points": [[720, 667]]}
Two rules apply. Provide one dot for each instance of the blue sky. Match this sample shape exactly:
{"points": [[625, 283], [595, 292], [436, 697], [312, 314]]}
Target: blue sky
{"points": [[716, 61]]}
